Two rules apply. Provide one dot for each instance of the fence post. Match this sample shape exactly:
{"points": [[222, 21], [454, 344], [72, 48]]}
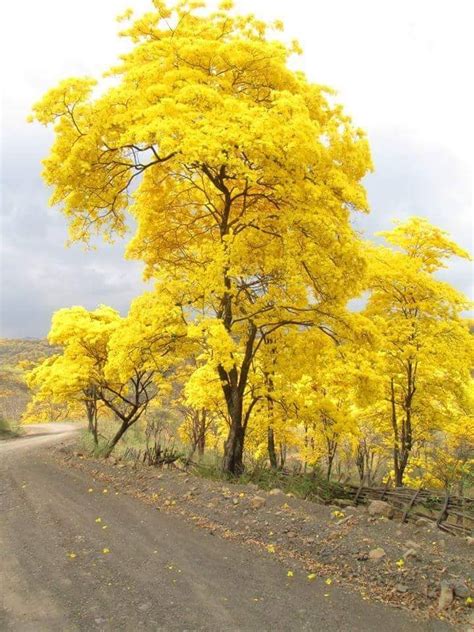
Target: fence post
{"points": [[386, 488], [410, 504], [443, 511]]}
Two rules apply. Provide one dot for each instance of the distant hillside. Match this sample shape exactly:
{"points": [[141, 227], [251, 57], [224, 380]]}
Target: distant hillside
{"points": [[14, 394], [15, 350]]}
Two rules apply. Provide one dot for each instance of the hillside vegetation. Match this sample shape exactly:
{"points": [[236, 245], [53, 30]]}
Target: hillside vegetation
{"points": [[16, 355]]}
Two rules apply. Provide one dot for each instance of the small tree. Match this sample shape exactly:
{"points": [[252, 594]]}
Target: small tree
{"points": [[142, 354], [108, 362], [72, 379]]}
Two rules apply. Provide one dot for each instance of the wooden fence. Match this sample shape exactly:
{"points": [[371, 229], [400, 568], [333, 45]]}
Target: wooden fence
{"points": [[451, 513]]}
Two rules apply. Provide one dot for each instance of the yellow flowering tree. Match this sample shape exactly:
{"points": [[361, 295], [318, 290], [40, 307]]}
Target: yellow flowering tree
{"points": [[72, 378], [143, 353], [426, 350], [108, 363], [239, 173]]}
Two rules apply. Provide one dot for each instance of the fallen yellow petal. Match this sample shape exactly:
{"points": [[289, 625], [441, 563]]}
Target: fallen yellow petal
{"points": [[105, 551], [290, 574], [312, 576], [71, 555], [328, 581], [90, 490], [98, 519]]}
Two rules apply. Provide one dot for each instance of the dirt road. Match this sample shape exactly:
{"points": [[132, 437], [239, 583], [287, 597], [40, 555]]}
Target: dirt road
{"points": [[77, 556]]}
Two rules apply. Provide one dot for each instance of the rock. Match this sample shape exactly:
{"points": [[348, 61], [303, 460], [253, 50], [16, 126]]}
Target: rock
{"points": [[423, 522], [376, 554], [410, 544], [342, 502], [380, 508], [446, 596], [291, 534], [257, 502], [461, 590], [235, 501], [410, 553], [401, 588], [469, 540], [276, 491]]}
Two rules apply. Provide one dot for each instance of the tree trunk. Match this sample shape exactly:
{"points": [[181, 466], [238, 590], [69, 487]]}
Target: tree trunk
{"points": [[396, 438], [402, 464], [282, 455], [329, 467], [233, 452], [234, 445], [233, 385], [91, 407], [271, 448], [201, 445], [360, 462], [201, 441], [116, 438]]}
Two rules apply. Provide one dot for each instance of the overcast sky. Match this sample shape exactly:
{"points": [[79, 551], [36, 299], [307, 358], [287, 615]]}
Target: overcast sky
{"points": [[401, 70]]}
